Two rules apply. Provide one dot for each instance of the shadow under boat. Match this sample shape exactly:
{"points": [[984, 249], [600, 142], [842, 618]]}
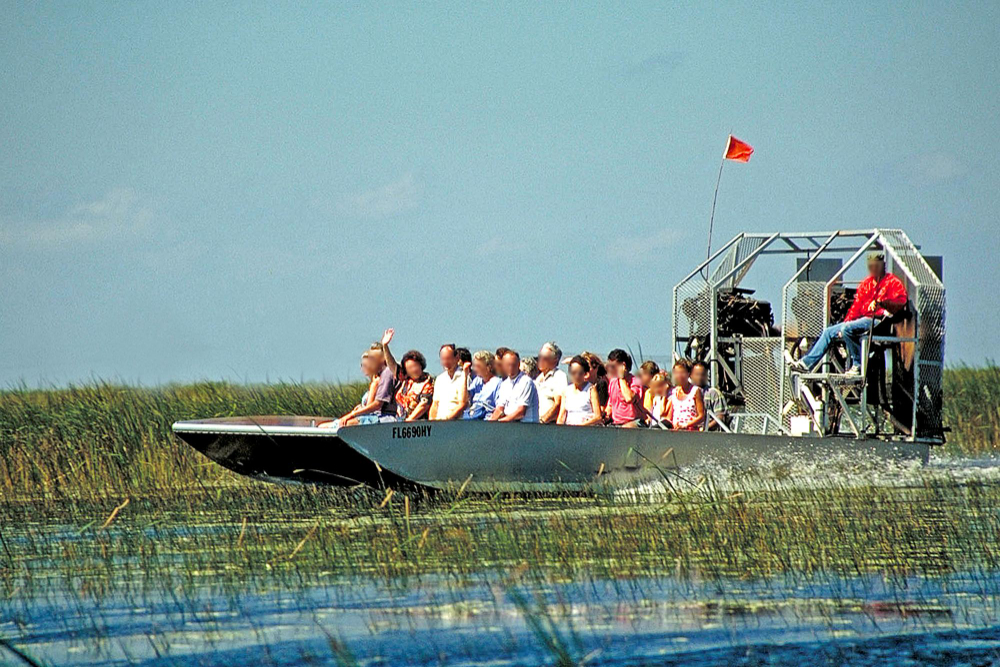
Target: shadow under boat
{"points": [[283, 448]]}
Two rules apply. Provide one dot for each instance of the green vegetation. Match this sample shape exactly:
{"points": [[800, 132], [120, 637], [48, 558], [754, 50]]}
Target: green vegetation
{"points": [[101, 506], [105, 439], [972, 409], [109, 440]]}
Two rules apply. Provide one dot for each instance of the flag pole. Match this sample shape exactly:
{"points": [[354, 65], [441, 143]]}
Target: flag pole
{"points": [[715, 198]]}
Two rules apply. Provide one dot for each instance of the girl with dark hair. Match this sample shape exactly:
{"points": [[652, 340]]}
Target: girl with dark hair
{"points": [[598, 377], [580, 406]]}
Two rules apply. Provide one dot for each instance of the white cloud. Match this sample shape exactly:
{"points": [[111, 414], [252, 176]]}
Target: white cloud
{"points": [[645, 247], [663, 62], [936, 167], [391, 199], [491, 247], [119, 214]]}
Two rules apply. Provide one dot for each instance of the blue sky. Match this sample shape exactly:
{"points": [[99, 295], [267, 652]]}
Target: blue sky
{"points": [[254, 191]]}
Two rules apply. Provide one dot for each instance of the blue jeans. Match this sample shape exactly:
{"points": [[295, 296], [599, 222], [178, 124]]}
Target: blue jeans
{"points": [[852, 332]]}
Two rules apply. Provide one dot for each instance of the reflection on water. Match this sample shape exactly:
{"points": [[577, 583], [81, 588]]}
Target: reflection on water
{"points": [[863, 620]]}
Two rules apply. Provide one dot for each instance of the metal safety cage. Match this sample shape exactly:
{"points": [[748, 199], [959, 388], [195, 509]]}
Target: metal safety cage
{"points": [[752, 369]]}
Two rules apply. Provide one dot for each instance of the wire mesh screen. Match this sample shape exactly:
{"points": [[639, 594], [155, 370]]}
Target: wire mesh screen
{"points": [[743, 249], [804, 306], [692, 309], [929, 400], [907, 253], [761, 366], [930, 308]]}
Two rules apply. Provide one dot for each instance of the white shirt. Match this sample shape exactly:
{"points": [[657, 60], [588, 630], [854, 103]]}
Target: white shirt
{"points": [[576, 403], [448, 391], [550, 386], [517, 392]]}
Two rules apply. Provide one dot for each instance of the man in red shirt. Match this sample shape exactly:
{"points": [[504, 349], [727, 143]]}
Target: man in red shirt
{"points": [[879, 295]]}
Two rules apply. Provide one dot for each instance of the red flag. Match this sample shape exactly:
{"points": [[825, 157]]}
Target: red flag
{"points": [[738, 150]]}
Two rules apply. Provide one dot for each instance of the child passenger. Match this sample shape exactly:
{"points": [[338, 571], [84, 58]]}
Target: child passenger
{"points": [[580, 405], [656, 398], [646, 372], [685, 407]]}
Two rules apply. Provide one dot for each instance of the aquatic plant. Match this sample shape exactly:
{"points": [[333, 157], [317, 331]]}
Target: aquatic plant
{"points": [[107, 440]]}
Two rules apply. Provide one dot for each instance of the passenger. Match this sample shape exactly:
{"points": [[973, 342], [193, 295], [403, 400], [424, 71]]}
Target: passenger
{"points": [[715, 402], [599, 378], [417, 389], [517, 399], [498, 360], [685, 407], [657, 396], [529, 366], [880, 294], [624, 391], [381, 404], [464, 356], [483, 387], [370, 391], [551, 383], [579, 405], [647, 370], [451, 388], [366, 370]]}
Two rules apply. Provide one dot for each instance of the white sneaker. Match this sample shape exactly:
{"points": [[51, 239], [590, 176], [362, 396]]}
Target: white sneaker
{"points": [[852, 372]]}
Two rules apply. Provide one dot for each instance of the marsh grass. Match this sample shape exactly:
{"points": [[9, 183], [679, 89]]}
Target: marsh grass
{"points": [[105, 439], [102, 439], [972, 409], [100, 504]]}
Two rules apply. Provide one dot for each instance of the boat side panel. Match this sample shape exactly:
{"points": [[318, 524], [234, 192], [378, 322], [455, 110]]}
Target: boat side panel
{"points": [[439, 453]]}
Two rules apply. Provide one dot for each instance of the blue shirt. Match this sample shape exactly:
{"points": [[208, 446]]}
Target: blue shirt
{"points": [[516, 392], [482, 398]]}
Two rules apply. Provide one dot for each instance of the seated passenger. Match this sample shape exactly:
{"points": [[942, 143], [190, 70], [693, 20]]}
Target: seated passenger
{"points": [[647, 370], [715, 402], [685, 407], [483, 387], [598, 377], [624, 391], [498, 360], [451, 388], [381, 404], [370, 391], [579, 405], [551, 382], [880, 294], [517, 399], [529, 366], [656, 399], [416, 390]]}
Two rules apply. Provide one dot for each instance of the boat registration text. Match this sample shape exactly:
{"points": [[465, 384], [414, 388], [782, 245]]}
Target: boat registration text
{"points": [[404, 432]]}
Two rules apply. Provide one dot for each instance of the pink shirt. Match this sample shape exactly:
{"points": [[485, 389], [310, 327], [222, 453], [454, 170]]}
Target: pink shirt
{"points": [[623, 411]]}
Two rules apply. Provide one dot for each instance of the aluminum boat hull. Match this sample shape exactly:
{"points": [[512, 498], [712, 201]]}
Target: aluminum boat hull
{"points": [[279, 448], [488, 456]]}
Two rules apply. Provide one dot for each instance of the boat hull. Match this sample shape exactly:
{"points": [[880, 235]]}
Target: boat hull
{"points": [[489, 456], [282, 448]]}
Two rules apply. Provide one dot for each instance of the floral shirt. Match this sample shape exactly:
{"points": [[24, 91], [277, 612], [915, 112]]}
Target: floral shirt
{"points": [[414, 393]]}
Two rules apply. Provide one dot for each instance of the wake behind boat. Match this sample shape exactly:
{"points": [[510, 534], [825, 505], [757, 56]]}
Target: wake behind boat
{"points": [[888, 408]]}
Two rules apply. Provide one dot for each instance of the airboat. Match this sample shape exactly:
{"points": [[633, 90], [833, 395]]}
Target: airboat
{"points": [[891, 410]]}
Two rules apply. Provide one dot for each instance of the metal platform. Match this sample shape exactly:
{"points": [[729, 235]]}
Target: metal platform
{"points": [[898, 395]]}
